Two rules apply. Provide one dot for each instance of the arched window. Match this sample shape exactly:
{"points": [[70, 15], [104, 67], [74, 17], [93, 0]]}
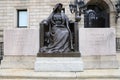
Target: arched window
{"points": [[96, 15]]}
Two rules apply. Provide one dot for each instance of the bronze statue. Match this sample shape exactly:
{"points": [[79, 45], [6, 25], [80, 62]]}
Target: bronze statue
{"points": [[59, 36]]}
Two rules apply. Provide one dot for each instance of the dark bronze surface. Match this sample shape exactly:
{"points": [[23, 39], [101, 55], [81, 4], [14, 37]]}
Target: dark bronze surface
{"points": [[69, 54], [58, 35], [55, 33]]}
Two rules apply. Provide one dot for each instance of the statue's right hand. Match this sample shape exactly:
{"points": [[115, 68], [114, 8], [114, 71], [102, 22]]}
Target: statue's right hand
{"points": [[47, 34]]}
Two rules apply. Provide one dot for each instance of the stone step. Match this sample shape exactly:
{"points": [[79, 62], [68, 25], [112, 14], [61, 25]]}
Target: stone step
{"points": [[90, 62], [25, 74]]}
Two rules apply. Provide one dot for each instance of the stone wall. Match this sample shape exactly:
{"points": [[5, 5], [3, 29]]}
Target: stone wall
{"points": [[39, 10]]}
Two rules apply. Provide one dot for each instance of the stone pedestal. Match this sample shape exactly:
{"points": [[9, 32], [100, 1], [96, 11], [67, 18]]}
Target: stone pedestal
{"points": [[18, 62], [98, 48], [58, 64], [20, 48], [21, 41], [97, 41], [100, 62]]}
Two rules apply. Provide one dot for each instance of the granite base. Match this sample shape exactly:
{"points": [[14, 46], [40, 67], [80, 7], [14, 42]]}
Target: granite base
{"points": [[18, 62], [63, 64], [100, 62]]}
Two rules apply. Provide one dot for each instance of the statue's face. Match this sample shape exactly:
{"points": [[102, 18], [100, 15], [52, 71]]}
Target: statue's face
{"points": [[59, 7]]}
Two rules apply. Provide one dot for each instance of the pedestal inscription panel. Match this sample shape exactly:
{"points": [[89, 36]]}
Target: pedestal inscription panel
{"points": [[97, 41], [21, 41]]}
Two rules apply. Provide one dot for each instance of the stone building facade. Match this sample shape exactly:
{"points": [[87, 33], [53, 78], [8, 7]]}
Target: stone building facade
{"points": [[37, 10]]}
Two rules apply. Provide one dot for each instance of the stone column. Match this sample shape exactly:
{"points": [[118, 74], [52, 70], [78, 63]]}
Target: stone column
{"points": [[112, 20]]}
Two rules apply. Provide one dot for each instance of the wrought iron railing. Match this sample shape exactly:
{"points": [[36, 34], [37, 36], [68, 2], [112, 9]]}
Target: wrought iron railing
{"points": [[1, 51], [117, 44]]}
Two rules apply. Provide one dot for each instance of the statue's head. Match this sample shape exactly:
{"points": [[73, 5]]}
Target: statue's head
{"points": [[58, 7]]}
